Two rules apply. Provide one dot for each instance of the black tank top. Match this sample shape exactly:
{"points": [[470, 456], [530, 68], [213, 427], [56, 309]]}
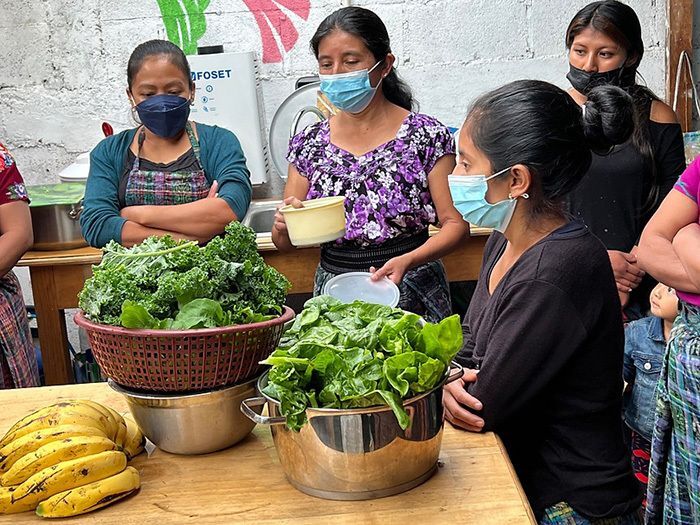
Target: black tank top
{"points": [[612, 196]]}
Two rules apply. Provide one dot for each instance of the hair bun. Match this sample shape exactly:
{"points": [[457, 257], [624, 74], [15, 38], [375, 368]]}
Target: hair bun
{"points": [[608, 118]]}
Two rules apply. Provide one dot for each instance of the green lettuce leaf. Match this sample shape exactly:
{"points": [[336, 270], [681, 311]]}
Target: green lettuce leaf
{"points": [[441, 341], [358, 355]]}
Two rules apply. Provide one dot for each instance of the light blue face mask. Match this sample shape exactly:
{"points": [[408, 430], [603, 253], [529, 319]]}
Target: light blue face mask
{"points": [[469, 196], [351, 92]]}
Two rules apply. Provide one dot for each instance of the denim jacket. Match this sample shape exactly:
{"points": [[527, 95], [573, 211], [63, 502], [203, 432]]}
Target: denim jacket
{"points": [[644, 352]]}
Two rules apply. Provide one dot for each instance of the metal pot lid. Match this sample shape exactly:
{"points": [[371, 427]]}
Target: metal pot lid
{"points": [[61, 193]]}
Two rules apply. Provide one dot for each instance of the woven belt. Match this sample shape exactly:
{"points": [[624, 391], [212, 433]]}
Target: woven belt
{"points": [[343, 259]]}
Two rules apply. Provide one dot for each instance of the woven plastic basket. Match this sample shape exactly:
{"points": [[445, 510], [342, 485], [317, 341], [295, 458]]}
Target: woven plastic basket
{"points": [[183, 360]]}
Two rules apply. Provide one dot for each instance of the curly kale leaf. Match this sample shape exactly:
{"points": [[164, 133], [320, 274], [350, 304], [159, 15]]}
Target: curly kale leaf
{"points": [[152, 257], [163, 282], [237, 245], [103, 294]]}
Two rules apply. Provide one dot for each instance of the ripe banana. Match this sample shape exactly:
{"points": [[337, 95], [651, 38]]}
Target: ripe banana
{"points": [[8, 506], [91, 496], [65, 412], [109, 415], [54, 453], [135, 440], [120, 435], [28, 443], [60, 477]]}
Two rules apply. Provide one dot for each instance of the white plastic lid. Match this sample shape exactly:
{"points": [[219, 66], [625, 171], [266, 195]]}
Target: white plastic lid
{"points": [[83, 158], [78, 171], [357, 286]]}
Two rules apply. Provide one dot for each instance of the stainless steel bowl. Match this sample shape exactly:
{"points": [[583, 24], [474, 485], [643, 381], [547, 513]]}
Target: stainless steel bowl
{"points": [[194, 423], [57, 226], [355, 454]]}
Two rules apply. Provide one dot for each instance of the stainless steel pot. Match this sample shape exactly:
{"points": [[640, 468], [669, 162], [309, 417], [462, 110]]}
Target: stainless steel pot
{"points": [[192, 423], [355, 454], [57, 226]]}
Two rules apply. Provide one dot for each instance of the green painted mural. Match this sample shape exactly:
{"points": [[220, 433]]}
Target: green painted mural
{"points": [[184, 22]]}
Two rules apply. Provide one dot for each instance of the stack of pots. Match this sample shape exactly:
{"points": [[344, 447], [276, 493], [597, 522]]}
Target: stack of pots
{"points": [[178, 382]]}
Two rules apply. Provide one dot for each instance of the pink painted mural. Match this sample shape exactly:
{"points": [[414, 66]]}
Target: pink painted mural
{"points": [[270, 17], [185, 23]]}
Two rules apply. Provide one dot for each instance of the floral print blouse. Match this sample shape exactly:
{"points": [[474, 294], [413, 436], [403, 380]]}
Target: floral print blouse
{"points": [[386, 189], [11, 183]]}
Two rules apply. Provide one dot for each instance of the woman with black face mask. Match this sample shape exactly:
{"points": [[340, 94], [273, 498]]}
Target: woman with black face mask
{"points": [[623, 188], [169, 175]]}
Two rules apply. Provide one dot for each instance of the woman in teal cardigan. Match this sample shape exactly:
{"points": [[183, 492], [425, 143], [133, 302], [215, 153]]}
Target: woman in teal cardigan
{"points": [[169, 176]]}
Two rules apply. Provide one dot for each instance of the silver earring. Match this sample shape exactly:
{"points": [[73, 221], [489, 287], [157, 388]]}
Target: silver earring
{"points": [[510, 196], [526, 195]]}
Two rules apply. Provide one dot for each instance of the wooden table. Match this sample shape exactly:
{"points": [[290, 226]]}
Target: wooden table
{"points": [[245, 484], [57, 277]]}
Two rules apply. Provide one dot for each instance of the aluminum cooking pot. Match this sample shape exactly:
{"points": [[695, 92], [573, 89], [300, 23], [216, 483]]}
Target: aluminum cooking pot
{"points": [[55, 210], [57, 226], [361, 453], [191, 423]]}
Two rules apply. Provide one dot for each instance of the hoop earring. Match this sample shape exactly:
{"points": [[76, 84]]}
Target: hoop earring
{"points": [[525, 195], [135, 116]]}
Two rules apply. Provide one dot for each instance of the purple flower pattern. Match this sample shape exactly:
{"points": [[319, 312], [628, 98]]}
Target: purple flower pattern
{"points": [[386, 189]]}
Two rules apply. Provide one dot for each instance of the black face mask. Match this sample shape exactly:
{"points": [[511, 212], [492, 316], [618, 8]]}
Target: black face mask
{"points": [[583, 81]]}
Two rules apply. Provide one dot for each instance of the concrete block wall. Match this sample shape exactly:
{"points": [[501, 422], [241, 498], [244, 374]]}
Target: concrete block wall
{"points": [[63, 61]]}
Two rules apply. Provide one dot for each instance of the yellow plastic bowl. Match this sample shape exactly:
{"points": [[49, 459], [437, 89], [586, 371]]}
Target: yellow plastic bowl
{"points": [[320, 220]]}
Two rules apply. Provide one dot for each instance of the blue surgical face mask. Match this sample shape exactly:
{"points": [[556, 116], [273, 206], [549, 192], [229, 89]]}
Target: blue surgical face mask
{"points": [[469, 196], [164, 115], [351, 92]]}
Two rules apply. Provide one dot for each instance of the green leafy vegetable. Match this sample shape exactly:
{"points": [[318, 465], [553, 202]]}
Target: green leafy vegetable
{"points": [[136, 316], [162, 283], [358, 355]]}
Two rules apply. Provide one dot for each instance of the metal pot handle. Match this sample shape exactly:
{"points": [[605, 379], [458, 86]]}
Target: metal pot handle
{"points": [[76, 209], [454, 376], [247, 409]]}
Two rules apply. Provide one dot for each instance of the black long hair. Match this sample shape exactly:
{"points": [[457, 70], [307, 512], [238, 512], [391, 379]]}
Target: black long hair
{"points": [[537, 124], [619, 22], [153, 48], [368, 27]]}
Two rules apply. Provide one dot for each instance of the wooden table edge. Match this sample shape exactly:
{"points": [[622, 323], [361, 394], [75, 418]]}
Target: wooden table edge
{"points": [[89, 255]]}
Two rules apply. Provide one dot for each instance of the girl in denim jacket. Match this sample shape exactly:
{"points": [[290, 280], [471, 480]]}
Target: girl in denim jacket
{"points": [[645, 343]]}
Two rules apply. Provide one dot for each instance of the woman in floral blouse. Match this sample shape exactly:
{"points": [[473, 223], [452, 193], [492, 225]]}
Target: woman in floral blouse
{"points": [[389, 162], [18, 367]]}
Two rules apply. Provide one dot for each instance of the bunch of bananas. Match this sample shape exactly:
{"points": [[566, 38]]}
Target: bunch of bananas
{"points": [[68, 458]]}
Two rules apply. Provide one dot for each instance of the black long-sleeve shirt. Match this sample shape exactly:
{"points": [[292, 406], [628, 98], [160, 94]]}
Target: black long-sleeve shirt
{"points": [[549, 345]]}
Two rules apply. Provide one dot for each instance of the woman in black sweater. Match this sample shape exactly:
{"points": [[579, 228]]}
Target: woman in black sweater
{"points": [[544, 327]]}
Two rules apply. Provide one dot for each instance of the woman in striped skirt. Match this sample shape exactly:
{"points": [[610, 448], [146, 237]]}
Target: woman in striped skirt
{"points": [[18, 366], [670, 251]]}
